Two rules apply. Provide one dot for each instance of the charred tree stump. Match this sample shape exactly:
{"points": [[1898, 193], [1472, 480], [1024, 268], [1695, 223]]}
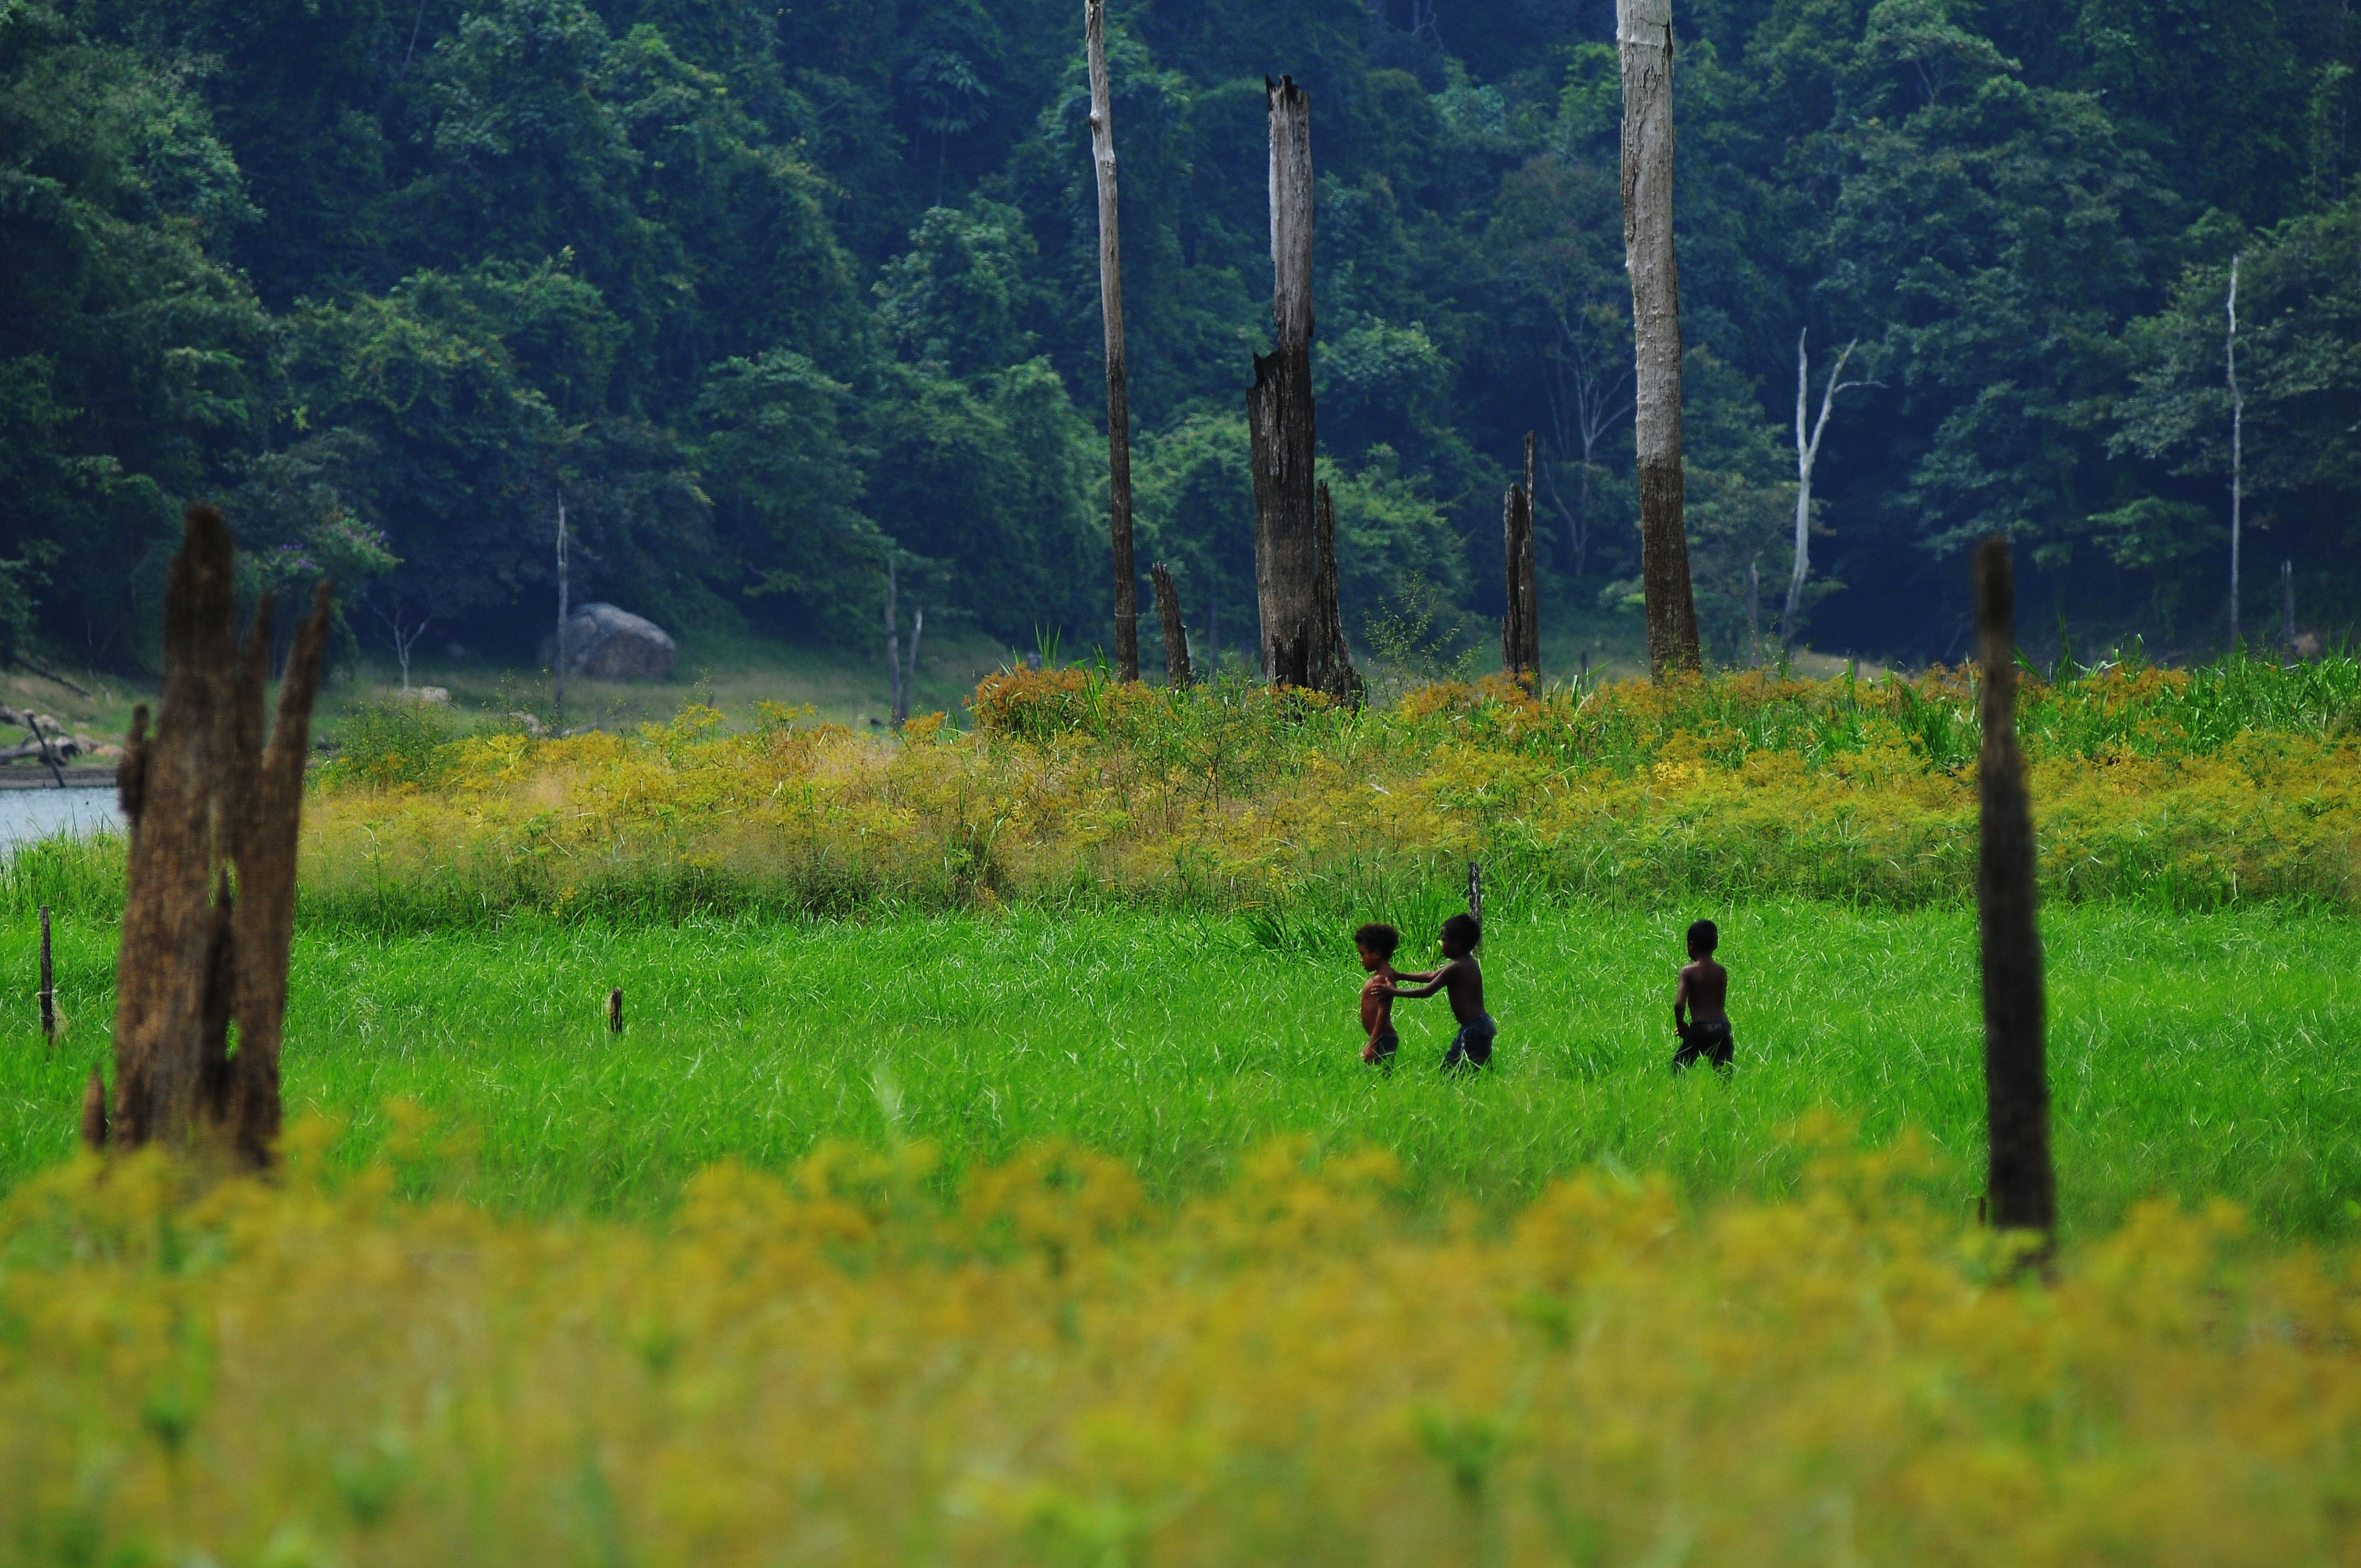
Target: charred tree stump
{"points": [[1331, 657], [2021, 1185], [209, 911], [1279, 406], [1177, 672], [1126, 581]]}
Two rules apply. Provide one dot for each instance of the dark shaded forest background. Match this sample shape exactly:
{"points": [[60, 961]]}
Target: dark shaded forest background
{"points": [[764, 293]]}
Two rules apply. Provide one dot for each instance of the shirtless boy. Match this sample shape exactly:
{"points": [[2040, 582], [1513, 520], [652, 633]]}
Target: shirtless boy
{"points": [[1472, 1046], [1377, 944], [1701, 995]]}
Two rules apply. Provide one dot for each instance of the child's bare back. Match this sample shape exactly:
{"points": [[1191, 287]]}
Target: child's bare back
{"points": [[1700, 1003]]}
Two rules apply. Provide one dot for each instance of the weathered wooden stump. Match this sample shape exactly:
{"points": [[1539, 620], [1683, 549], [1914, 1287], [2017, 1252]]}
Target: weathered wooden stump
{"points": [[209, 912]]}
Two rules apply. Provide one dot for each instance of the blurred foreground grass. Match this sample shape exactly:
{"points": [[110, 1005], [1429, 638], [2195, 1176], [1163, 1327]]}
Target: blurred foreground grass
{"points": [[851, 1364]]}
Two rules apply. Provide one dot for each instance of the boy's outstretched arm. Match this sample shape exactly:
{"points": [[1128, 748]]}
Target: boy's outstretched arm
{"points": [[1436, 982], [1681, 1002], [1404, 974]]}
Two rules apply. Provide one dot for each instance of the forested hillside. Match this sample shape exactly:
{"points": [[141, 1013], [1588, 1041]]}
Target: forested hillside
{"points": [[765, 294]]}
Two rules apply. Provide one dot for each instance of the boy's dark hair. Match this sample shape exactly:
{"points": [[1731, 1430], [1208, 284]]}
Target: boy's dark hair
{"points": [[1379, 939], [1704, 936], [1464, 931]]}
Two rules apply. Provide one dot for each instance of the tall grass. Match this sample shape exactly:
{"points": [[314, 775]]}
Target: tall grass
{"points": [[2178, 789]]}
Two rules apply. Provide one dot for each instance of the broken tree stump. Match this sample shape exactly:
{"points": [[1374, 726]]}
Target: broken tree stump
{"points": [[209, 909], [1177, 670], [615, 1011]]}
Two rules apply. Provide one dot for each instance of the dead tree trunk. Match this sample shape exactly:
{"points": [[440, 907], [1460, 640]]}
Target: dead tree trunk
{"points": [[211, 809], [1808, 456], [1279, 407], [2021, 1187], [2287, 604], [1645, 34], [1521, 633], [1332, 659], [564, 583], [1118, 396], [2237, 451], [1177, 672], [897, 701]]}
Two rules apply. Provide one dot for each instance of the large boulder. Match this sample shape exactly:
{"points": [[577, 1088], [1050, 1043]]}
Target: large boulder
{"points": [[610, 644]]}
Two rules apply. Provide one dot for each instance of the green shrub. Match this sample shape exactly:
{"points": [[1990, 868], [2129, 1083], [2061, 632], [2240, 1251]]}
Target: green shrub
{"points": [[393, 742]]}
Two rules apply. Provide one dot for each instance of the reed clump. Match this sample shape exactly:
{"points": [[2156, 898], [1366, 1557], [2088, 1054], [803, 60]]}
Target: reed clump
{"points": [[1043, 1367], [2192, 789]]}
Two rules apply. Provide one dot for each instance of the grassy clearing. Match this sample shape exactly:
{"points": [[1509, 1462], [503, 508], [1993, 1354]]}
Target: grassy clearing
{"points": [[2191, 1055]]}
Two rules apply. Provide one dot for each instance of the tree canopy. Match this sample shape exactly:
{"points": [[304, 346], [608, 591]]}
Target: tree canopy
{"points": [[767, 296]]}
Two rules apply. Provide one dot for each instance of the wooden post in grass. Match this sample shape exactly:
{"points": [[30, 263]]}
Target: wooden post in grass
{"points": [[1475, 891], [213, 811], [2021, 1185], [1177, 672], [615, 1011], [48, 989]]}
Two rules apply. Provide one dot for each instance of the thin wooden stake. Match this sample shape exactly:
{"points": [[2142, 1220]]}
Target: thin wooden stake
{"points": [[48, 989], [1475, 891], [615, 1011], [2021, 1183]]}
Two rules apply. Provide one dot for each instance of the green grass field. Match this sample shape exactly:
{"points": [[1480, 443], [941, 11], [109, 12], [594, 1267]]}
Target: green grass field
{"points": [[2195, 1055]]}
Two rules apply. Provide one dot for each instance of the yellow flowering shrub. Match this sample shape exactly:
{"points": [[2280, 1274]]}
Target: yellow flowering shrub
{"points": [[2239, 783], [844, 1366]]}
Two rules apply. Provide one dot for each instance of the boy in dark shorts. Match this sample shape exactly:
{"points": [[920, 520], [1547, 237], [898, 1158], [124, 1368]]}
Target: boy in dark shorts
{"points": [[1472, 1046], [1377, 944], [1701, 995]]}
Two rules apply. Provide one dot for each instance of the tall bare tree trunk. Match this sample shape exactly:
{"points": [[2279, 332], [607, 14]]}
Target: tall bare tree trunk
{"points": [[1521, 633], [212, 809], [2021, 1185], [2237, 451], [897, 701], [1118, 395], [1279, 406], [557, 704], [1177, 672], [1644, 30]]}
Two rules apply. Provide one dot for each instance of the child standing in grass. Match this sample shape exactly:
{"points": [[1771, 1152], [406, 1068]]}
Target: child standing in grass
{"points": [[1377, 944], [1472, 1046], [1703, 992]]}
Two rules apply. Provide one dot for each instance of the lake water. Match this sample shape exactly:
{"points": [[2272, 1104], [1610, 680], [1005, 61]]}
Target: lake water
{"points": [[26, 815]]}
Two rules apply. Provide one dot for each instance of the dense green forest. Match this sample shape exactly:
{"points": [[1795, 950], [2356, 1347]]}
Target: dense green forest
{"points": [[764, 293]]}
